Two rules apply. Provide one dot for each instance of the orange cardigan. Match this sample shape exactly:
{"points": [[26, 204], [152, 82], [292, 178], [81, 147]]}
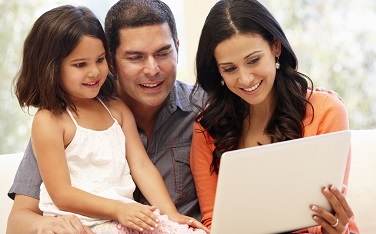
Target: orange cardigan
{"points": [[330, 116]]}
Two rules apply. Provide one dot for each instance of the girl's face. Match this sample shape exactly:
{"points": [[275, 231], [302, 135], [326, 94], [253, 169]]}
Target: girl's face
{"points": [[247, 64], [85, 69]]}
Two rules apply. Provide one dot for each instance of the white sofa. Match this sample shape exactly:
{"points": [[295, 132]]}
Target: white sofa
{"points": [[8, 167], [361, 193]]}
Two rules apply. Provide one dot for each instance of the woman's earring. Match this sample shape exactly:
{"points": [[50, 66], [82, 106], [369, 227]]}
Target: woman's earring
{"points": [[277, 65], [222, 82]]}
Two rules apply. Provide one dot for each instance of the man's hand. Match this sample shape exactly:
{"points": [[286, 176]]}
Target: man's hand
{"points": [[65, 224]]}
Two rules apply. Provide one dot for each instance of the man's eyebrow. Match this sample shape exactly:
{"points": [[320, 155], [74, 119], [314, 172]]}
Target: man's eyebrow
{"points": [[166, 47], [135, 52]]}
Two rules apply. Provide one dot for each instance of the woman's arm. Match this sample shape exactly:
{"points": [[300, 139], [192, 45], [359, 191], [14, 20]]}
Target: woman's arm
{"points": [[331, 116], [205, 181]]}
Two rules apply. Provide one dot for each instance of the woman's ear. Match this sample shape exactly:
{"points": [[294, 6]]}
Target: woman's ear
{"points": [[276, 47]]}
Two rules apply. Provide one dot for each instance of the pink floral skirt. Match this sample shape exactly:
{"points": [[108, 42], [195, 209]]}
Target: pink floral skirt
{"points": [[165, 226]]}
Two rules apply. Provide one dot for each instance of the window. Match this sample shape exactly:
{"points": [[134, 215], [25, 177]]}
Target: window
{"points": [[332, 40]]}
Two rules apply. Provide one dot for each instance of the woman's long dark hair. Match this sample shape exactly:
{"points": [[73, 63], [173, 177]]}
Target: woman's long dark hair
{"points": [[52, 38], [224, 112]]}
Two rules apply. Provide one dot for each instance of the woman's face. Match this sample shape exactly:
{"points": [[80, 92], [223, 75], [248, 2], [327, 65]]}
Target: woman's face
{"points": [[247, 64]]}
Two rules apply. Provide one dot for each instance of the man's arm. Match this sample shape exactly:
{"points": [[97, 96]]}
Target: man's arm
{"points": [[25, 217]]}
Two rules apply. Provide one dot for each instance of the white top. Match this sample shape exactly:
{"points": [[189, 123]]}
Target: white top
{"points": [[97, 164]]}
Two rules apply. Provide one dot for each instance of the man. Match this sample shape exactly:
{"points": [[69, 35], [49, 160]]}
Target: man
{"points": [[144, 46]]}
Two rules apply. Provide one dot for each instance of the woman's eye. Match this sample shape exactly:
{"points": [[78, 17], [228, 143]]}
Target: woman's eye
{"points": [[254, 60], [230, 69]]}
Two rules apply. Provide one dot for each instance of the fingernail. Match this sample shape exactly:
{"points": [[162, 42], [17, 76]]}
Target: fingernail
{"points": [[326, 190], [156, 225], [315, 217], [191, 221], [314, 208], [141, 229], [151, 229], [333, 188]]}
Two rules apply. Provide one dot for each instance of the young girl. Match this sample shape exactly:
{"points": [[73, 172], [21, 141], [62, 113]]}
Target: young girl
{"points": [[85, 140], [256, 96]]}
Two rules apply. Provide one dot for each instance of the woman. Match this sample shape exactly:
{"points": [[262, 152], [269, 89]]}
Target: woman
{"points": [[256, 96]]}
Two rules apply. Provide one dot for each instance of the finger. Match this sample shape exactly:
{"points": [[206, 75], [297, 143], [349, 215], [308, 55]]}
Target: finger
{"points": [[344, 189], [146, 220], [88, 230], [151, 208], [330, 227], [321, 89], [342, 200], [76, 224], [341, 208], [140, 225], [196, 224]]}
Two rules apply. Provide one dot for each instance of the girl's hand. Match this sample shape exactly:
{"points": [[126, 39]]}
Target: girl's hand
{"points": [[137, 216], [182, 219], [338, 222]]}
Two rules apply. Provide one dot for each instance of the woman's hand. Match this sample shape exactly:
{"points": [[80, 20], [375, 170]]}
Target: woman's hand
{"points": [[337, 223], [182, 219]]}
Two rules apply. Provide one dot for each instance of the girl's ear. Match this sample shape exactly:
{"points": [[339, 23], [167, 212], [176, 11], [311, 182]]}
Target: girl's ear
{"points": [[276, 47]]}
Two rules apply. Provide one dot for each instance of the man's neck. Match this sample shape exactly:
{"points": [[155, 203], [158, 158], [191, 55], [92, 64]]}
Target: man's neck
{"points": [[145, 116]]}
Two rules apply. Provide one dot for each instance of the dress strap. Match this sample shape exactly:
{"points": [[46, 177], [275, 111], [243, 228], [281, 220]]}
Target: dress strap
{"points": [[70, 114], [105, 107]]}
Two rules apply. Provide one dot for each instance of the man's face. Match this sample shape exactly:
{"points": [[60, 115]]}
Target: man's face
{"points": [[146, 61]]}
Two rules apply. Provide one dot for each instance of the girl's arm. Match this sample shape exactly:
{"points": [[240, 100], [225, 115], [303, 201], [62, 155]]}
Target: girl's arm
{"points": [[48, 143], [145, 174]]}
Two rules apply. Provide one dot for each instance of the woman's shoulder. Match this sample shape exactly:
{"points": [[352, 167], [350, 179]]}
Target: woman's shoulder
{"points": [[322, 99]]}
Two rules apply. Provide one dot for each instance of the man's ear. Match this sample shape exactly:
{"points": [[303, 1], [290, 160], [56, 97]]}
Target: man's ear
{"points": [[276, 47]]}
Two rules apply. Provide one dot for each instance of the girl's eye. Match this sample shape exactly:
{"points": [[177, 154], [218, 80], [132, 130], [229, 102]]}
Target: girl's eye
{"points": [[100, 60], [79, 65]]}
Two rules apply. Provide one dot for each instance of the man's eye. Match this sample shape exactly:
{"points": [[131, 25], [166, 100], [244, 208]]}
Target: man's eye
{"points": [[135, 58], [164, 53]]}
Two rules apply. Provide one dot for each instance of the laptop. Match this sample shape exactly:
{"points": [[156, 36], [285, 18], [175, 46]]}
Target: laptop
{"points": [[269, 188]]}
